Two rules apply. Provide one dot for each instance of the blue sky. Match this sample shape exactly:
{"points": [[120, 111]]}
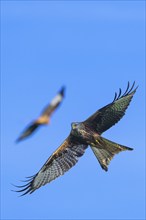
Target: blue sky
{"points": [[93, 48]]}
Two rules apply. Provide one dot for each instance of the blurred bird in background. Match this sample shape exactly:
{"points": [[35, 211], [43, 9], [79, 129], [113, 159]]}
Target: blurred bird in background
{"points": [[44, 117]]}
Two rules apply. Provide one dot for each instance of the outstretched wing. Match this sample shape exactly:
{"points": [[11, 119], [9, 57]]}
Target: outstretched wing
{"points": [[54, 103], [28, 131], [65, 157], [109, 115]]}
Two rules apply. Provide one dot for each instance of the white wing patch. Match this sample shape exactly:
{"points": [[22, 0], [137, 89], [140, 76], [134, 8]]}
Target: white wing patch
{"points": [[56, 100]]}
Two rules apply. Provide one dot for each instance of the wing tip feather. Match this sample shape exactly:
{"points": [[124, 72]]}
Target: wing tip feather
{"points": [[127, 92], [26, 188]]}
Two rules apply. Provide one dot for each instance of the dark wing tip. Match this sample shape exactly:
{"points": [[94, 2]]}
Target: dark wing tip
{"points": [[26, 188], [127, 92], [19, 139], [62, 91]]}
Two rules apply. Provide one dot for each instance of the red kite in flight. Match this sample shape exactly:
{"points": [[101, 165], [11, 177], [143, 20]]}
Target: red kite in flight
{"points": [[45, 116], [82, 135]]}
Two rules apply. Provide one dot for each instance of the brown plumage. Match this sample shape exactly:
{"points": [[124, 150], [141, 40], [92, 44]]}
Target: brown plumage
{"points": [[83, 134], [44, 117]]}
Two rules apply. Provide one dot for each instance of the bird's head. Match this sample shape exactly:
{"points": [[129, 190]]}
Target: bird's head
{"points": [[77, 128], [75, 125]]}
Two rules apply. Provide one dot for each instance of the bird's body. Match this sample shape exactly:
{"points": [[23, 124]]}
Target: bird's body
{"points": [[44, 118], [82, 135]]}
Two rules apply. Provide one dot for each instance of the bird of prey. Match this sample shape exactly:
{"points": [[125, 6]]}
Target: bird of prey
{"points": [[82, 135], [44, 117]]}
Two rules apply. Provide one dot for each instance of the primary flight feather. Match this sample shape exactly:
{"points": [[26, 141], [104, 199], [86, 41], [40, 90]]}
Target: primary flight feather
{"points": [[44, 117], [82, 135]]}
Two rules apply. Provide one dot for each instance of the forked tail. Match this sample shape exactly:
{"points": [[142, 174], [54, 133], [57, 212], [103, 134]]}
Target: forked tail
{"points": [[105, 150]]}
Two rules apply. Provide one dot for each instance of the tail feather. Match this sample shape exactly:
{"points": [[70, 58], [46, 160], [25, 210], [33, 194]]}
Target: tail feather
{"points": [[105, 150]]}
